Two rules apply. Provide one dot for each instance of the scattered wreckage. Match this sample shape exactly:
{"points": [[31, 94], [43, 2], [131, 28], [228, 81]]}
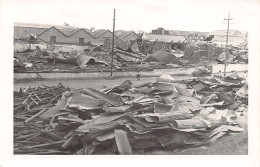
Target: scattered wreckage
{"points": [[138, 56], [127, 119]]}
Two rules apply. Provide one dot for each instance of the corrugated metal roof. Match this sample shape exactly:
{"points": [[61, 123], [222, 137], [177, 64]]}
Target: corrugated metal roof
{"points": [[230, 32], [88, 30], [35, 25], [119, 32], [79, 29], [66, 32], [122, 34], [164, 38], [69, 33], [51, 28], [235, 40], [186, 33], [245, 33], [100, 32]]}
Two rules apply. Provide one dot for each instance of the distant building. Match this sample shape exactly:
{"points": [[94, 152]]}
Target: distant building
{"points": [[63, 34], [101, 36], [105, 37], [53, 35], [230, 33], [76, 36], [163, 38], [174, 36], [235, 37], [127, 36], [160, 31], [81, 36], [187, 33], [102, 33], [24, 29]]}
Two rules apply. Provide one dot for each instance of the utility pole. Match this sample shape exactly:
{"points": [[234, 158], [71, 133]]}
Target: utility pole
{"points": [[111, 73], [226, 48]]}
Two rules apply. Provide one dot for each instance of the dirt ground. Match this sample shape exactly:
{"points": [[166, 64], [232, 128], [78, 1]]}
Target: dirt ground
{"points": [[233, 144]]}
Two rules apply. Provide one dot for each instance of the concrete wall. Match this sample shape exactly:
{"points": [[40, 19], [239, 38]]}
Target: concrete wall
{"points": [[24, 31], [154, 73]]}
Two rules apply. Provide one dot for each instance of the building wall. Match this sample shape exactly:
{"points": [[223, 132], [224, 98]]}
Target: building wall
{"points": [[60, 37], [131, 37], [160, 31], [24, 31], [81, 34], [104, 36]]}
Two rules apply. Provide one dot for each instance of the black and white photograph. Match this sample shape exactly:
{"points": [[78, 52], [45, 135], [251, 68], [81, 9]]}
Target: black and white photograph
{"points": [[139, 78]]}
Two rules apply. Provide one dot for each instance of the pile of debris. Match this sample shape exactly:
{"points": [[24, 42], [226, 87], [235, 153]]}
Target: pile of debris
{"points": [[203, 51], [127, 119], [235, 54], [163, 56], [94, 58], [201, 72], [199, 52], [57, 60]]}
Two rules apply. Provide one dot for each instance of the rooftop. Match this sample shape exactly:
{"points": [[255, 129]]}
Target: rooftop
{"points": [[231, 33], [165, 38], [122, 33], [98, 33], [18, 24]]}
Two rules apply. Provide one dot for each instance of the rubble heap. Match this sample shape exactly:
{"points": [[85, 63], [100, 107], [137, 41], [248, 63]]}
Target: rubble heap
{"points": [[56, 60], [93, 59], [203, 51], [127, 119]]}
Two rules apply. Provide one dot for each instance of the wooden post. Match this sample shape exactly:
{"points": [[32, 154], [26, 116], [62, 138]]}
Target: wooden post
{"points": [[226, 51], [111, 73]]}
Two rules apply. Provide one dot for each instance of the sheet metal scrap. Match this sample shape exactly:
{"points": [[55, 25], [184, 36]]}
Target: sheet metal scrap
{"points": [[102, 96], [161, 116]]}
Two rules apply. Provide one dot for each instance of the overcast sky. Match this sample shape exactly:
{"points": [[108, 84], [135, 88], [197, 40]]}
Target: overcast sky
{"points": [[192, 15]]}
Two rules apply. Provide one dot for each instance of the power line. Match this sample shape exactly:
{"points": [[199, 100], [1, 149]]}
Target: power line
{"points": [[111, 72], [226, 51]]}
